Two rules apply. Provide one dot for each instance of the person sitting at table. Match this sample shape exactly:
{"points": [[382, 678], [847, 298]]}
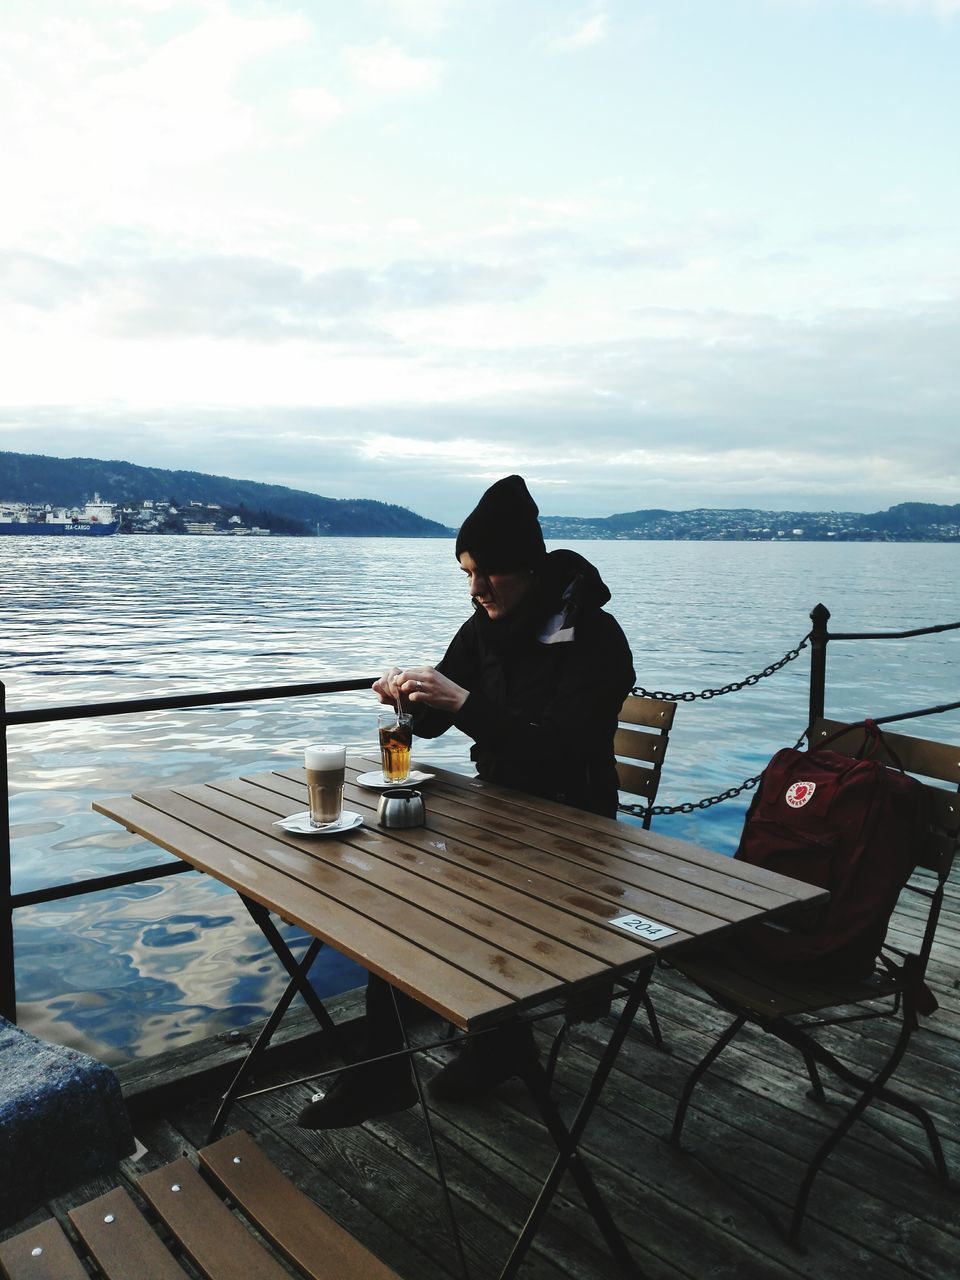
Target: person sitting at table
{"points": [[536, 677]]}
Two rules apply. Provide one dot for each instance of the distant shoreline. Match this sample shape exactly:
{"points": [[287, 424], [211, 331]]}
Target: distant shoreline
{"points": [[149, 498], [906, 522], [551, 536]]}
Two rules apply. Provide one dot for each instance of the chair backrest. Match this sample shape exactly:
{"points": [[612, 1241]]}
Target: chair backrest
{"points": [[937, 766], [640, 746]]}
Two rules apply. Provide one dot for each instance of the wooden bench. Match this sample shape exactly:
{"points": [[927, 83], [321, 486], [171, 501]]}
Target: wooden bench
{"points": [[194, 1218]]}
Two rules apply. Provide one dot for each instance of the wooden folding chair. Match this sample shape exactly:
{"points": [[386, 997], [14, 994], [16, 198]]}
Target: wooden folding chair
{"points": [[793, 1009], [640, 746]]}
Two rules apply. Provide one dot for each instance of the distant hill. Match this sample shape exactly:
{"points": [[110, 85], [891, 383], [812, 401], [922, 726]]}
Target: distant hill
{"points": [[28, 477], [906, 522]]}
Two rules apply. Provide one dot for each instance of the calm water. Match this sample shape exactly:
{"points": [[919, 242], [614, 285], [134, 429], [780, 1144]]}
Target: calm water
{"points": [[136, 971]]}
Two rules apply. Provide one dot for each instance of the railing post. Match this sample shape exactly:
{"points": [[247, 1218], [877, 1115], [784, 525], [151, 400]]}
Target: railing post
{"points": [[8, 986], [819, 616]]}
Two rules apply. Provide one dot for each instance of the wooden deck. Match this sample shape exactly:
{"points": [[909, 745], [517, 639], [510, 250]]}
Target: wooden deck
{"points": [[873, 1211]]}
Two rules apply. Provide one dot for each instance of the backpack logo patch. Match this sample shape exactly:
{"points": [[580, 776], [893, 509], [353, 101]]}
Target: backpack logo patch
{"points": [[799, 794]]}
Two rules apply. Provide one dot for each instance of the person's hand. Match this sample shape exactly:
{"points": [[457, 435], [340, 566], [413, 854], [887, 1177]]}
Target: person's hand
{"points": [[386, 687], [427, 685]]}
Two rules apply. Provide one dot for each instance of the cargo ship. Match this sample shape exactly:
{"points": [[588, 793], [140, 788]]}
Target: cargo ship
{"points": [[96, 519]]}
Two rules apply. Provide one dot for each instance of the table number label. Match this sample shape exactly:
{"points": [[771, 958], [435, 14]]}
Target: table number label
{"points": [[650, 930]]}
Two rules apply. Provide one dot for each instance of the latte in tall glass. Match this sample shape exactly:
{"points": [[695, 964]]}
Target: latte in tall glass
{"points": [[325, 766]]}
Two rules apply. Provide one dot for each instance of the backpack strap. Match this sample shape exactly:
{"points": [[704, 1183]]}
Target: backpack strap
{"points": [[873, 738], [839, 733], [876, 739]]}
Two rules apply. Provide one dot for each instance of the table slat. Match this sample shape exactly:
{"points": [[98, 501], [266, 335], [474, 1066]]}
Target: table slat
{"points": [[613, 835], [451, 992], [500, 902], [484, 956], [595, 893], [471, 870]]}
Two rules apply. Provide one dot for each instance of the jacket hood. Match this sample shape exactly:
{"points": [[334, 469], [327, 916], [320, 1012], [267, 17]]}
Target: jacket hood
{"points": [[566, 586], [568, 578]]}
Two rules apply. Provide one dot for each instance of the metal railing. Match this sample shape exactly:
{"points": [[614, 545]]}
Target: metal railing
{"points": [[820, 636], [10, 901], [818, 639]]}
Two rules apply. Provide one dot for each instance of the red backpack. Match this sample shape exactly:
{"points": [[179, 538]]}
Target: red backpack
{"points": [[853, 826]]}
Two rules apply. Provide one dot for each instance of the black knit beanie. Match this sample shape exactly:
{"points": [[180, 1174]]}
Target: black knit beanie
{"points": [[502, 532]]}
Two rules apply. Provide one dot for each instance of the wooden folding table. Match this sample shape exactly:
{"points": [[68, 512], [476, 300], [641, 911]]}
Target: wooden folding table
{"points": [[500, 905]]}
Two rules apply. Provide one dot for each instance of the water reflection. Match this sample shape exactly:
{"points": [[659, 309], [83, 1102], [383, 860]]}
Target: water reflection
{"points": [[134, 971]]}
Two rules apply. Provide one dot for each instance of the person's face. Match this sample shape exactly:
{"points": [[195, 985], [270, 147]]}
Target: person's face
{"points": [[497, 593]]}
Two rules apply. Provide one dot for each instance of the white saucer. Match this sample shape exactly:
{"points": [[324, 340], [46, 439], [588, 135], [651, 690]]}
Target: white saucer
{"points": [[298, 824], [375, 782]]}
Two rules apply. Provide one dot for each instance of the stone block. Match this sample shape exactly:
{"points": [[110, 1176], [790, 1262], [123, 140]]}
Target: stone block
{"points": [[62, 1121]]}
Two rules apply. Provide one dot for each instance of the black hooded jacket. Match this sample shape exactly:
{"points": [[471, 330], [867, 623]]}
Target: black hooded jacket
{"points": [[543, 715]]}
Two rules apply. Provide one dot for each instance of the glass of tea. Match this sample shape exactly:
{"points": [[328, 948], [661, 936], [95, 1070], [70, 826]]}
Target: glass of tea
{"points": [[396, 735]]}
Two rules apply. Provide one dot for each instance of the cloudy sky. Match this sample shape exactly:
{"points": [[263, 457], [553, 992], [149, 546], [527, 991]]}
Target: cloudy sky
{"points": [[662, 253]]}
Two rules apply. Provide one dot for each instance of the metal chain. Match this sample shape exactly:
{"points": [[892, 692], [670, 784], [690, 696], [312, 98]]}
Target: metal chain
{"points": [[660, 810], [690, 806], [733, 687]]}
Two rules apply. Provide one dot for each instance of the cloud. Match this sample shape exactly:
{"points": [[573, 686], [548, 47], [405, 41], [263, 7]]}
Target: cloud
{"points": [[425, 17], [589, 33], [864, 235], [575, 234], [35, 280], [386, 68], [940, 8], [530, 243], [845, 382], [164, 6], [686, 407], [317, 105], [424, 282], [183, 98], [225, 296], [440, 459], [663, 253], [209, 208], [97, 116]]}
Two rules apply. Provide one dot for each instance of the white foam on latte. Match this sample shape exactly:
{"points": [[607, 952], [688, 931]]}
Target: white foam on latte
{"points": [[324, 757]]}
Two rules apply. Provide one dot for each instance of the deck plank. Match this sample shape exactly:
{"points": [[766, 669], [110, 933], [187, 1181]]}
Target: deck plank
{"points": [[872, 1211]]}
